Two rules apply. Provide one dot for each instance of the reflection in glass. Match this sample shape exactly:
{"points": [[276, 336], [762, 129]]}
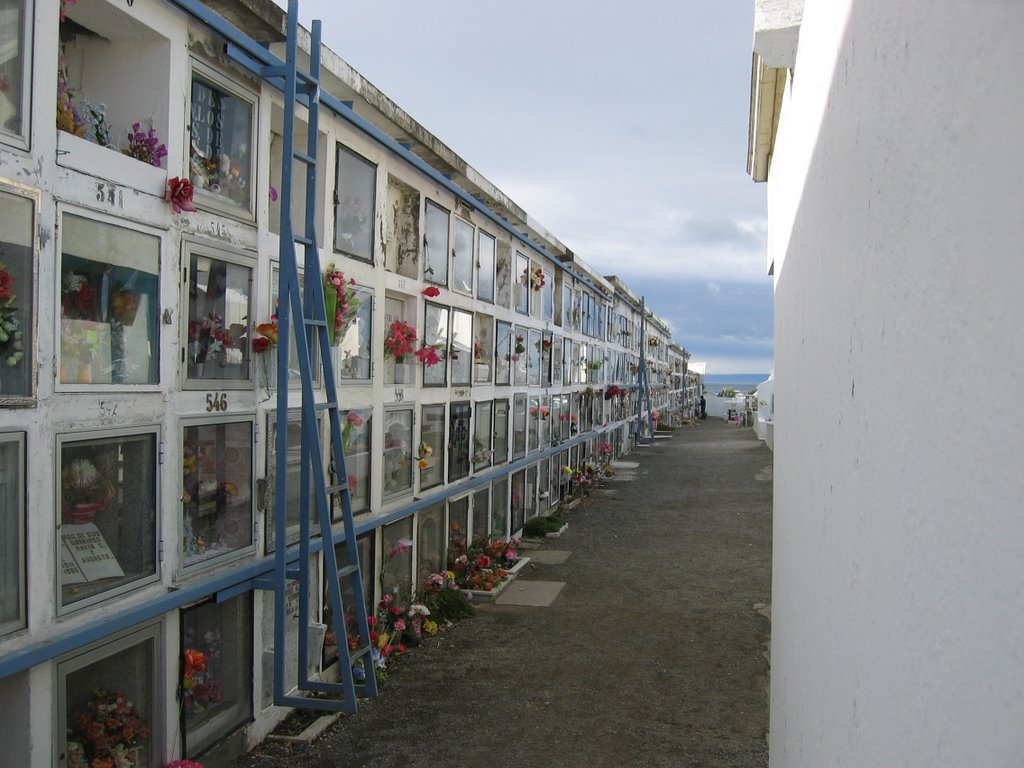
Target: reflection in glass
{"points": [[458, 441], [435, 334], [221, 131], [354, 350], [109, 295], [12, 532], [218, 318], [217, 468], [432, 446], [485, 267], [503, 354], [435, 262], [108, 514], [461, 347], [462, 257], [500, 445], [397, 451], [354, 196]]}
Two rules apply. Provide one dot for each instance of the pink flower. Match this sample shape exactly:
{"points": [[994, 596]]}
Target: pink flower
{"points": [[354, 419], [179, 194], [399, 625]]}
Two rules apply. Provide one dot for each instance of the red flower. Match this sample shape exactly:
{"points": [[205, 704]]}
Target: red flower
{"points": [[179, 194], [431, 292], [261, 344], [6, 284]]}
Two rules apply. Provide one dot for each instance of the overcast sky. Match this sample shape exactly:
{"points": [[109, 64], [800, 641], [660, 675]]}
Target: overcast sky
{"points": [[621, 128]]}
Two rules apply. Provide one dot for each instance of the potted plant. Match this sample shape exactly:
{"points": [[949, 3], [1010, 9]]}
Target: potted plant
{"points": [[481, 369]]}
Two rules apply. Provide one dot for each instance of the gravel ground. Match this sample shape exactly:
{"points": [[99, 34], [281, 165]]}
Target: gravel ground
{"points": [[653, 654]]}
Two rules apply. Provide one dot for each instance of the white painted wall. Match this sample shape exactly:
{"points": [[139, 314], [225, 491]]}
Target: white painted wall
{"points": [[895, 218]]}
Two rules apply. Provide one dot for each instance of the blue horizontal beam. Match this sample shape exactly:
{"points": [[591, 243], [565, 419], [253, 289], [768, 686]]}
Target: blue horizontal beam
{"points": [[238, 578]]}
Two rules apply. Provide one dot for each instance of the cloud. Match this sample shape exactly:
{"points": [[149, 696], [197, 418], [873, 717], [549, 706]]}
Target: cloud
{"points": [[715, 230], [714, 288]]}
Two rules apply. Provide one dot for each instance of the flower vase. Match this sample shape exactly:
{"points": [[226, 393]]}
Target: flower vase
{"points": [[330, 307], [84, 373], [405, 373]]}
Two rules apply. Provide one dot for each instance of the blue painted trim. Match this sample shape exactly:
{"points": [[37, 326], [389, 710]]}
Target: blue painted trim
{"points": [[240, 577], [259, 53]]}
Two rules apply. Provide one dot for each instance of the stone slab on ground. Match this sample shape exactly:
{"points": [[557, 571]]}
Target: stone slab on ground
{"points": [[626, 464], [551, 556], [533, 594]]}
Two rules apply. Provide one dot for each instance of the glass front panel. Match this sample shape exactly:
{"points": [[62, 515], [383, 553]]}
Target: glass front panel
{"points": [[217, 469], [293, 464], [435, 262], [519, 426], [522, 286], [12, 532], [499, 507], [396, 565], [485, 267], [397, 452], [555, 420], [483, 348], [109, 296], [518, 500], [530, 494], [364, 546], [462, 257], [534, 349], [458, 523], [500, 445], [503, 354], [17, 236], [543, 481], [356, 434], [355, 344], [216, 678], [430, 542], [556, 360], [14, 93], [520, 356], [267, 360], [108, 498], [461, 348], [481, 511], [566, 306], [219, 309], [354, 196], [458, 441], [431, 454], [503, 276], [435, 334], [108, 708], [547, 342], [221, 129], [548, 296], [482, 453]]}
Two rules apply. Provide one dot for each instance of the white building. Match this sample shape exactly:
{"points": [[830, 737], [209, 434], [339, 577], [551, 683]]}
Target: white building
{"points": [[889, 133], [137, 412]]}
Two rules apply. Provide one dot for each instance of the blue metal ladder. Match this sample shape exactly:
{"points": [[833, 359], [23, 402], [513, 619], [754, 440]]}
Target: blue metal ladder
{"points": [[643, 384], [306, 314]]}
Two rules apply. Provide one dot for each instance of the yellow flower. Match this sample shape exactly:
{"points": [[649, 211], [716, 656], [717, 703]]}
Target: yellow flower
{"points": [[383, 640], [429, 627]]}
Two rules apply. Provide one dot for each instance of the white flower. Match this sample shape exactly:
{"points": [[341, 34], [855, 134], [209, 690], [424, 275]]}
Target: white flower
{"points": [[83, 473]]}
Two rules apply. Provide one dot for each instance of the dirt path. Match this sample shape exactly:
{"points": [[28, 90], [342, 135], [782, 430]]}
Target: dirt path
{"points": [[653, 653]]}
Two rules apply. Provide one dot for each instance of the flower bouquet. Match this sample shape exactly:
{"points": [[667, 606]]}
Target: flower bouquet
{"points": [[106, 732], [83, 492], [124, 305], [208, 339], [12, 349], [537, 279], [340, 302], [399, 340]]}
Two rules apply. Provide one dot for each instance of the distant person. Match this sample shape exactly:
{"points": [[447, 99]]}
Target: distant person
{"points": [[703, 407]]}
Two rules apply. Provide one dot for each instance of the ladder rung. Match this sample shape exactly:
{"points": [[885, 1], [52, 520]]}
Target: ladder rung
{"points": [[359, 653], [325, 406], [347, 570], [291, 573], [332, 489], [314, 322], [302, 157], [303, 240]]}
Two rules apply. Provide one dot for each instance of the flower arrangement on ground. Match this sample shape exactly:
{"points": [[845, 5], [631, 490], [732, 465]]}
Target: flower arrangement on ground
{"points": [[441, 596], [483, 565], [341, 302], [399, 341], [106, 731]]}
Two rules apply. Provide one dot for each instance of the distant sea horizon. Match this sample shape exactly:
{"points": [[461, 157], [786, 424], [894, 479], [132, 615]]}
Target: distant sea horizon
{"points": [[740, 382]]}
